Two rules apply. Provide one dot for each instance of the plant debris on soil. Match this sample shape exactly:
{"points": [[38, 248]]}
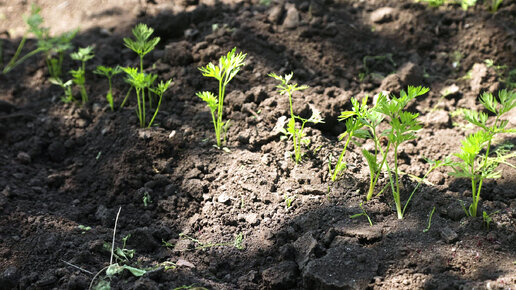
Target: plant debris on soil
{"points": [[249, 217]]}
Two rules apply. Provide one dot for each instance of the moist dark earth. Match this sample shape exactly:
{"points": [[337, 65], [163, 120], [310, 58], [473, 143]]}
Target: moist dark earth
{"points": [[64, 167]]}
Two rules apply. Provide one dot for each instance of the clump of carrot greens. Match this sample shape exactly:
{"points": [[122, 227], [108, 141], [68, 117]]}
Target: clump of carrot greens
{"points": [[476, 162], [140, 81], [402, 127], [297, 134], [229, 65], [362, 122]]}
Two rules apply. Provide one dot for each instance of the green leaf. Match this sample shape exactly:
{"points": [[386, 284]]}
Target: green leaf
{"points": [[142, 45], [102, 285], [371, 160], [83, 54], [210, 99], [115, 269]]}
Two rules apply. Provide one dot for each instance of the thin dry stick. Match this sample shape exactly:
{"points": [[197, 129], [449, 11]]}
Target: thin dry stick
{"points": [[77, 267], [114, 234], [112, 251]]}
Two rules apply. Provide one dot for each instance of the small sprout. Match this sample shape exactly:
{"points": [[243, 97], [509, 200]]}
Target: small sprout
{"points": [[229, 65], [487, 218], [79, 75], [98, 155], [289, 201], [429, 220], [167, 244], [297, 134], [108, 72], [159, 91], [84, 229], [146, 199], [67, 88], [354, 128], [239, 240], [363, 213]]}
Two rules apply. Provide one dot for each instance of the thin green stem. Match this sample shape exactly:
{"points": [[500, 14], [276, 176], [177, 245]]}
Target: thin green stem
{"points": [[139, 111], [126, 96], [417, 186], [397, 193], [143, 108], [16, 54], [157, 109], [337, 169], [8, 68]]}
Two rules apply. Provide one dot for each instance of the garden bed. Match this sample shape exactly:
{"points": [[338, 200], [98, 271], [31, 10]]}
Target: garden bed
{"points": [[249, 217]]}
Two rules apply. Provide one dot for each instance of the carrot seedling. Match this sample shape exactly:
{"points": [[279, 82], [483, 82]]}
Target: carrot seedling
{"points": [[363, 213], [402, 127], [142, 44], [362, 122], [79, 75], [108, 72], [429, 221], [67, 88], [475, 162], [356, 120], [159, 91], [229, 65], [297, 134]]}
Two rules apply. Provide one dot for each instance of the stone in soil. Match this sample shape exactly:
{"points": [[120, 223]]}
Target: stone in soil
{"points": [[343, 267], [292, 19], [449, 235], [382, 15]]}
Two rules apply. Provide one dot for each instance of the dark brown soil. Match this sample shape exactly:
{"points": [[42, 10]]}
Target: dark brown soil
{"points": [[64, 165]]}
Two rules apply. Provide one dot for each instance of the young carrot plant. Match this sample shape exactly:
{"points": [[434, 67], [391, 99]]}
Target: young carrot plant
{"points": [[108, 72], [229, 65], [297, 134], [79, 75], [402, 127], [67, 88], [362, 122], [475, 162], [355, 122], [159, 91], [142, 44]]}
